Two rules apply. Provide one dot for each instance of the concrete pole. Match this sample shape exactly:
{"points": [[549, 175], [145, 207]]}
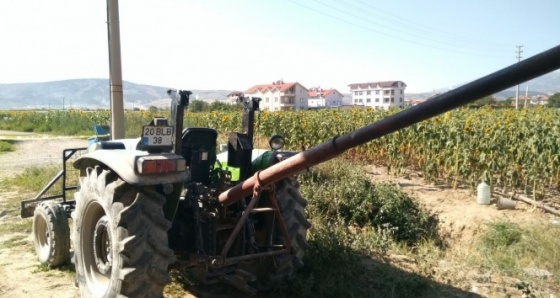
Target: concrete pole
{"points": [[117, 102], [526, 96]]}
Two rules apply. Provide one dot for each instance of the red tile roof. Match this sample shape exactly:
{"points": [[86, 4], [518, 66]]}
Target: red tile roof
{"points": [[323, 92], [384, 84], [282, 87]]}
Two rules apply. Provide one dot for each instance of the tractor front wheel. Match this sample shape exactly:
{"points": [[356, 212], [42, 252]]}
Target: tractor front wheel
{"points": [[51, 234], [120, 238]]}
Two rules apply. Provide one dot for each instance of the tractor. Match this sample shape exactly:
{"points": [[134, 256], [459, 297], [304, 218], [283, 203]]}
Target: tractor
{"points": [[144, 204], [168, 199]]}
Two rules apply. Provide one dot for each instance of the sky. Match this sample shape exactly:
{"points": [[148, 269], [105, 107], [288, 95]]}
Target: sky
{"points": [[235, 44]]}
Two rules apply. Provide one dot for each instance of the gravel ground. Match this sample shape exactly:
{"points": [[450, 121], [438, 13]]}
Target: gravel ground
{"points": [[33, 150]]}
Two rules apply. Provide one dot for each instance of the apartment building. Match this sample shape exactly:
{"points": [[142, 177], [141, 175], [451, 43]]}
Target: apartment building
{"points": [[319, 97], [280, 96], [378, 94]]}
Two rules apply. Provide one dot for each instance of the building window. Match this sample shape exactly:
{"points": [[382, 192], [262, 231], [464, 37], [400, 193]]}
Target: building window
{"points": [[401, 92], [266, 99], [386, 92], [400, 99], [301, 100], [276, 99], [385, 100], [392, 99], [368, 100], [377, 100], [376, 91], [368, 92], [392, 92]]}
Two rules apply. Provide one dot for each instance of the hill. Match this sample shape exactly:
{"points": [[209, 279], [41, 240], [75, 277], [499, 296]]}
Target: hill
{"points": [[87, 93], [544, 85], [94, 93]]}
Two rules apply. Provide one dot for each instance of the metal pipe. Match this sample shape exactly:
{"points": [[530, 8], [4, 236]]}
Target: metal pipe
{"points": [[528, 69], [115, 77]]}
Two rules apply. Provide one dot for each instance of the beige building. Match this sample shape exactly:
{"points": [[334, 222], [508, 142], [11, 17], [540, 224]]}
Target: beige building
{"points": [[378, 94], [280, 96], [319, 97]]}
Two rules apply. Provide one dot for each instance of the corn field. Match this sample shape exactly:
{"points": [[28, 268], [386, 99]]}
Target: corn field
{"points": [[506, 147]]}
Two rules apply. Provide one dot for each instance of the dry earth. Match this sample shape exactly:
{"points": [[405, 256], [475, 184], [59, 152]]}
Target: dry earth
{"points": [[461, 219], [20, 273]]}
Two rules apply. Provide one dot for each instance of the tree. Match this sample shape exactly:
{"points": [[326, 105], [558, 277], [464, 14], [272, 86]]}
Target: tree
{"points": [[153, 109], [554, 100], [488, 100], [198, 106]]}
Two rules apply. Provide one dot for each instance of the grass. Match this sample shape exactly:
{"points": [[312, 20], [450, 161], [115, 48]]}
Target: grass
{"points": [[517, 251], [35, 178], [14, 241], [6, 146]]}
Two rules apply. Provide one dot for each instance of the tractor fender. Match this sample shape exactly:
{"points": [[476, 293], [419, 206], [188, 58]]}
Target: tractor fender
{"points": [[122, 162]]}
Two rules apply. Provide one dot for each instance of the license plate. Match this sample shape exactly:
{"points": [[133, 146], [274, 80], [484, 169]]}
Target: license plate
{"points": [[157, 135]]}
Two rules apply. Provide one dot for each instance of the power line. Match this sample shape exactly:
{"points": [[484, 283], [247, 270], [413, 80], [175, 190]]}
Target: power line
{"points": [[428, 28], [390, 35]]}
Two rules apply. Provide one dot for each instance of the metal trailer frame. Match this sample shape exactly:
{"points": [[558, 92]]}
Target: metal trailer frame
{"points": [[27, 207]]}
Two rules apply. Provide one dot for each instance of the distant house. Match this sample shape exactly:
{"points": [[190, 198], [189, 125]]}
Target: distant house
{"points": [[234, 96], [378, 94], [416, 101], [538, 99], [280, 96], [319, 97]]}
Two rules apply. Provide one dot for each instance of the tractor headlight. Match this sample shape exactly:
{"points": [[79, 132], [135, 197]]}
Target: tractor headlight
{"points": [[276, 142]]}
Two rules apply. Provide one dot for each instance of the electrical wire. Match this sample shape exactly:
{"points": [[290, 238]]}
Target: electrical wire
{"points": [[367, 28]]}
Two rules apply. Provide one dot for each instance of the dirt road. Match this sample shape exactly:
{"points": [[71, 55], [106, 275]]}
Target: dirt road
{"points": [[20, 272]]}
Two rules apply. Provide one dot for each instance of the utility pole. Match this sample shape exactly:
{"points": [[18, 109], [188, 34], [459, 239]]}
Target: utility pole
{"points": [[518, 56], [115, 77], [526, 96]]}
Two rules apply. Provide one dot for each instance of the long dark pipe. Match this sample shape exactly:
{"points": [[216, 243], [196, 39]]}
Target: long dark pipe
{"points": [[520, 72]]}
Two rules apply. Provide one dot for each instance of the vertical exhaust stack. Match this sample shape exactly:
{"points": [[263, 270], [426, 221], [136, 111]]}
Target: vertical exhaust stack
{"points": [[115, 76]]}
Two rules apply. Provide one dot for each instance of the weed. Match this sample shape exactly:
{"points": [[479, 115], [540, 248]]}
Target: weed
{"points": [[6, 146], [35, 178], [501, 234], [338, 190]]}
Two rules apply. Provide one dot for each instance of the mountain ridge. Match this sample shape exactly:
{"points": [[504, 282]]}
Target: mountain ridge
{"points": [[94, 93], [88, 93]]}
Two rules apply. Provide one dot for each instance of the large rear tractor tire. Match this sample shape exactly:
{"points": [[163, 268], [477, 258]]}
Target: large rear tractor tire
{"points": [[281, 270], [51, 234], [120, 238]]}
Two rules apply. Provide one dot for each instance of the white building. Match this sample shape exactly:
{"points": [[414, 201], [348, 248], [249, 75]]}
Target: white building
{"points": [[319, 97], [233, 97], [378, 94], [280, 96]]}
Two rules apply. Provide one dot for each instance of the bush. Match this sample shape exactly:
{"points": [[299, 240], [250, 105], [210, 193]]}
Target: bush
{"points": [[6, 147], [339, 191]]}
